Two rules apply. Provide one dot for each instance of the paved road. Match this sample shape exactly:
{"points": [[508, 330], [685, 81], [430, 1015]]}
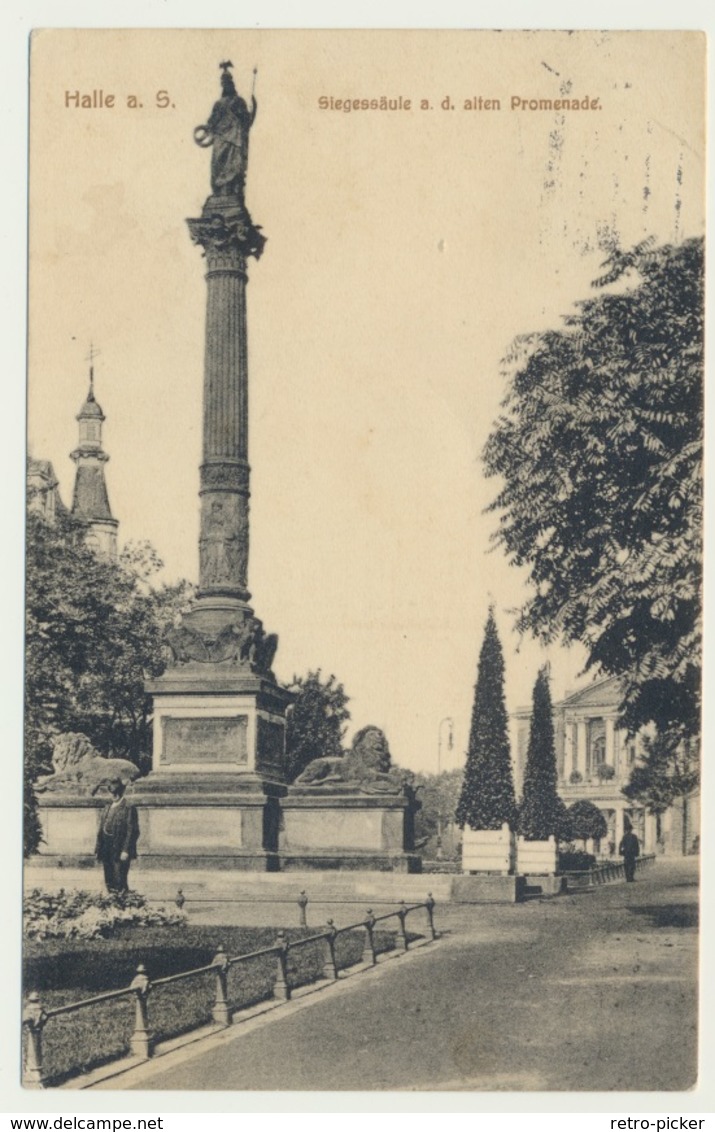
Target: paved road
{"points": [[583, 992]]}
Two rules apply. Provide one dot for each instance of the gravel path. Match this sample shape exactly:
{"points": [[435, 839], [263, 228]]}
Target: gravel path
{"points": [[591, 991]]}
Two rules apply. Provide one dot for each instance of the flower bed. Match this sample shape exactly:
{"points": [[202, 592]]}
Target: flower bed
{"points": [[91, 915]]}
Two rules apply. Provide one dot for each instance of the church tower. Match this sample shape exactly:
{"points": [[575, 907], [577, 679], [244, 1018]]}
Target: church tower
{"points": [[90, 503]]}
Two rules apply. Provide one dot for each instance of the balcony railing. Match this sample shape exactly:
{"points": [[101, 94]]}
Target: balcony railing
{"points": [[591, 784]]}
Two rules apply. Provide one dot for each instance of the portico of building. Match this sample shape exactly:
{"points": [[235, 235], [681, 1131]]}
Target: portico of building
{"points": [[594, 758]]}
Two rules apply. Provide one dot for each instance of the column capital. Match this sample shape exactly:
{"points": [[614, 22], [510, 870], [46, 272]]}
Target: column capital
{"points": [[225, 229]]}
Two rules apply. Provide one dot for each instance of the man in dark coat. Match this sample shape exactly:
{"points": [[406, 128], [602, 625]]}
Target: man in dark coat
{"points": [[117, 838], [630, 851]]}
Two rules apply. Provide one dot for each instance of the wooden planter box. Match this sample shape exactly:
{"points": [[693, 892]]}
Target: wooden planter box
{"points": [[536, 858], [488, 851]]}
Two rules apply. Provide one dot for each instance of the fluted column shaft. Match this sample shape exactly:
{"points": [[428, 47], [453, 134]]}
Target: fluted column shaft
{"points": [[224, 491], [225, 360]]}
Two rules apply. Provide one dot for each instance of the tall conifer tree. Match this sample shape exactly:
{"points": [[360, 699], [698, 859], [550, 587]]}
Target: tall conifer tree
{"points": [[487, 799], [542, 812]]}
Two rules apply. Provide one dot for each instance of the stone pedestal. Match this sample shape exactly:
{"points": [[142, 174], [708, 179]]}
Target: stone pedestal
{"points": [[339, 829], [69, 824], [213, 797], [485, 889]]}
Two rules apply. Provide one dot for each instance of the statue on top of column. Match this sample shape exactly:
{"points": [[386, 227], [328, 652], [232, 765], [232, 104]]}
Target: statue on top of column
{"points": [[227, 131], [225, 226]]}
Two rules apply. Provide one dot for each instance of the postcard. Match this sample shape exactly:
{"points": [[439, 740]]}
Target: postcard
{"points": [[364, 558]]}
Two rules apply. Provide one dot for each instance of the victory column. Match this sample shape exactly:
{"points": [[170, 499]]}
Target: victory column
{"points": [[219, 714]]}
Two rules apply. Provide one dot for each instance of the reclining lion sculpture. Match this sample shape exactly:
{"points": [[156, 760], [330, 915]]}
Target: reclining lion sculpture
{"points": [[366, 768], [80, 769]]}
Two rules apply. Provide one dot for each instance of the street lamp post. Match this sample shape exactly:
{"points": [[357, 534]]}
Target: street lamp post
{"points": [[450, 743]]}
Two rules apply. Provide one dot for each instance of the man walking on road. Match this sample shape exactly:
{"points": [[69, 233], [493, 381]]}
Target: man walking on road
{"points": [[630, 851]]}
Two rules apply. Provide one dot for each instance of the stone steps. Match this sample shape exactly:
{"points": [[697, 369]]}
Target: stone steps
{"points": [[242, 897]]}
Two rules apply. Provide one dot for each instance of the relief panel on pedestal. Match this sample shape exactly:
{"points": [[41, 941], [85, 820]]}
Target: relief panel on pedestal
{"points": [[205, 740]]}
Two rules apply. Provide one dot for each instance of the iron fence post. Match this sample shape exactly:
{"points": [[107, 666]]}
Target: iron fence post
{"points": [[369, 955], [220, 1012], [402, 916], [429, 905], [140, 1042], [33, 1019], [303, 904], [281, 989], [330, 967]]}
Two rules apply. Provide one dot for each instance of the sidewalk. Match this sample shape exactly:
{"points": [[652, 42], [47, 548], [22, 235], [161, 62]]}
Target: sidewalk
{"points": [[591, 991]]}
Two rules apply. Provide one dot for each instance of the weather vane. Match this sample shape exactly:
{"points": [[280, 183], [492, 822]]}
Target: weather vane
{"points": [[93, 352]]}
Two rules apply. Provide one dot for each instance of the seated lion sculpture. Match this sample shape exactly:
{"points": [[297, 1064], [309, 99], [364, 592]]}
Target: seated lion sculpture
{"points": [[80, 769], [365, 768]]}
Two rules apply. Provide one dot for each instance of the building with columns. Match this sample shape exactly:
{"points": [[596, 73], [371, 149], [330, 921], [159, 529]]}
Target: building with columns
{"points": [[594, 759]]}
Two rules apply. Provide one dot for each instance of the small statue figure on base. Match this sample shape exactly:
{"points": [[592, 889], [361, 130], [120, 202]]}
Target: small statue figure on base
{"points": [[227, 131]]}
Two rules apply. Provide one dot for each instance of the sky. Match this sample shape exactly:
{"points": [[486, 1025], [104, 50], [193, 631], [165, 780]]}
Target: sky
{"points": [[406, 249]]}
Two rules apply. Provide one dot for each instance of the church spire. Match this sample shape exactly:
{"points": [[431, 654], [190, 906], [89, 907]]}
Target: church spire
{"points": [[90, 503]]}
